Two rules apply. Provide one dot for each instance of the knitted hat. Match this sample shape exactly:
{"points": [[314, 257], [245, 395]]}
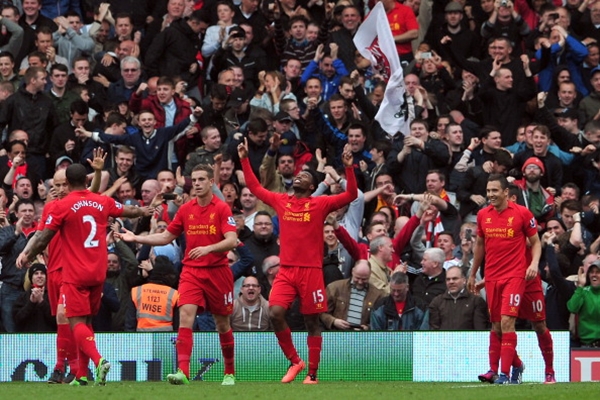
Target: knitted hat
{"points": [[32, 270], [534, 161]]}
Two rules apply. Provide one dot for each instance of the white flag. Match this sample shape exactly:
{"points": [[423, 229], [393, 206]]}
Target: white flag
{"points": [[375, 42]]}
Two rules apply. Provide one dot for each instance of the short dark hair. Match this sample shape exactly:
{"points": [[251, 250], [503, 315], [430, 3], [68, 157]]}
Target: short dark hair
{"points": [[382, 145], [72, 13], [124, 15], [484, 133], [337, 97], [38, 54], [80, 58], [7, 54], [219, 91], [257, 125], [115, 118], [43, 29], [59, 67], [513, 190], [447, 233], [263, 213], [358, 125], [80, 107], [12, 143], [297, 18], [421, 122], [499, 178], [76, 175], [503, 157], [20, 202]]}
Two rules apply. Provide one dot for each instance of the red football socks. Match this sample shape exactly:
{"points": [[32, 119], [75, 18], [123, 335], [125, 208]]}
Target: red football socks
{"points": [[508, 348], [63, 331], [185, 342], [494, 351], [227, 347], [314, 353], [517, 363], [84, 338], [287, 345], [84, 362], [72, 352], [547, 348]]}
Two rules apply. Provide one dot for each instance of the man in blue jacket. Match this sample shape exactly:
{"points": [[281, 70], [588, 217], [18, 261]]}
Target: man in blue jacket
{"points": [[151, 144], [328, 68]]}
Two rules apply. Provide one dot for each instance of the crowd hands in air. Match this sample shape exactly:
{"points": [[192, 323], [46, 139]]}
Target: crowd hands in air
{"points": [[142, 94]]}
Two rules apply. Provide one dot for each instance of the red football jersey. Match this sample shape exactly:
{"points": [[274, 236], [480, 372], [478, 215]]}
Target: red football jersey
{"points": [[301, 219], [55, 244], [505, 235], [203, 226], [81, 219]]}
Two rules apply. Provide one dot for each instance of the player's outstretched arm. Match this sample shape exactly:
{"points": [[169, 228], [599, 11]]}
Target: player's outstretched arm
{"points": [[156, 239], [351, 188], [251, 180]]}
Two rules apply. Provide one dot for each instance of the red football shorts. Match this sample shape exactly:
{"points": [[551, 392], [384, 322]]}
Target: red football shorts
{"points": [[209, 288], [504, 297], [53, 286], [533, 305], [303, 282], [81, 301]]}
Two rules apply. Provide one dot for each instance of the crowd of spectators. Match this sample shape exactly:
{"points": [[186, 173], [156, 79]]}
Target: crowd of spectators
{"points": [[509, 87]]}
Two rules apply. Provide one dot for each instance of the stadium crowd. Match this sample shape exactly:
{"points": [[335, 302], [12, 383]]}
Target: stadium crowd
{"points": [[492, 87]]}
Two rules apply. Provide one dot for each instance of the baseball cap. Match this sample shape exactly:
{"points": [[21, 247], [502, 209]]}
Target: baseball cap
{"points": [[62, 159], [453, 6], [534, 161], [283, 116], [237, 32], [566, 113], [288, 143], [237, 98]]}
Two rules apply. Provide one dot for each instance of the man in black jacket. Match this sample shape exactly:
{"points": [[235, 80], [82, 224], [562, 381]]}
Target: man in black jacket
{"points": [[263, 242], [28, 109], [432, 281], [173, 51], [504, 98]]}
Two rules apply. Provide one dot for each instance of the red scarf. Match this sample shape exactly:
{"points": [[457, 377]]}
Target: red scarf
{"points": [[19, 172], [436, 227]]}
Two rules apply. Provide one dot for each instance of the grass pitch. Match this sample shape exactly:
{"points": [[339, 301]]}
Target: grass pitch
{"points": [[296, 390]]}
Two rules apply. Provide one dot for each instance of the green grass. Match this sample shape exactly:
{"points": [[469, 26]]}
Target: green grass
{"points": [[324, 390]]}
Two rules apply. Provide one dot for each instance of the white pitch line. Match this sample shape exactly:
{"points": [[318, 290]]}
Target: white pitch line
{"points": [[488, 385]]}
